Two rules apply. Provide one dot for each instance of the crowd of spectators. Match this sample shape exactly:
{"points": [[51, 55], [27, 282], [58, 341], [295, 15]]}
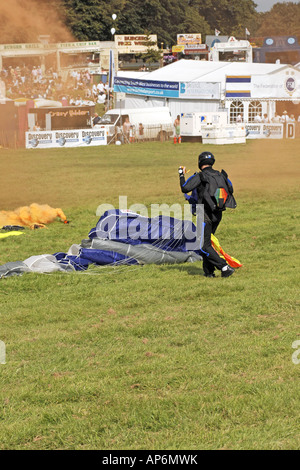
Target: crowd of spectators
{"points": [[285, 117], [276, 118], [30, 82]]}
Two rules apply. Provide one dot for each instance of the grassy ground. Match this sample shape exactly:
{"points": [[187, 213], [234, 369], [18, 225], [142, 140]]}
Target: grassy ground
{"points": [[152, 357]]}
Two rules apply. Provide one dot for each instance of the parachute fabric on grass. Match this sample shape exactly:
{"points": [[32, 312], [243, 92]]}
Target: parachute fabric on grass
{"points": [[161, 240], [30, 215], [233, 262], [142, 240], [121, 238], [10, 234]]}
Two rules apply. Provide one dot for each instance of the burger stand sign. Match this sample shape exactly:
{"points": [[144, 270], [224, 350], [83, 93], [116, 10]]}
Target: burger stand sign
{"points": [[134, 44]]}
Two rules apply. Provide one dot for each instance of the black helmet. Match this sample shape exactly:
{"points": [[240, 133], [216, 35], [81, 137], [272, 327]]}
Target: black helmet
{"points": [[206, 158]]}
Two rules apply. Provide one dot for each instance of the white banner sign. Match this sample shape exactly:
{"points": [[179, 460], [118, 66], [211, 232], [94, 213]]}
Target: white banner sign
{"points": [[200, 90], [277, 86], [65, 138], [264, 131]]}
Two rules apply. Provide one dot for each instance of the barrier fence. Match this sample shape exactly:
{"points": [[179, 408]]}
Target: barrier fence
{"points": [[149, 132], [90, 137]]}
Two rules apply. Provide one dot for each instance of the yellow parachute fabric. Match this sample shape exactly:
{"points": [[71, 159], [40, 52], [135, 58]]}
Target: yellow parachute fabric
{"points": [[233, 262], [10, 234], [29, 215]]}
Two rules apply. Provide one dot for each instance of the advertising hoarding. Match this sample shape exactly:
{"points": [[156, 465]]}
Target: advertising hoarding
{"points": [[186, 39], [264, 131], [65, 138], [134, 43], [188, 90]]}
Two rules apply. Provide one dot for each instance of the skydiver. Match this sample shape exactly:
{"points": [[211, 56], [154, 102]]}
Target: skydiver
{"points": [[212, 215]]}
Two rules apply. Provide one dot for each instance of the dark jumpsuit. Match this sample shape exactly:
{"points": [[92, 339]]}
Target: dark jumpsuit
{"points": [[211, 259]]}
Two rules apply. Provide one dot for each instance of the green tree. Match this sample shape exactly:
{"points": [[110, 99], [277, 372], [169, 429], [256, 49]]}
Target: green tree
{"points": [[230, 17], [91, 19], [271, 23], [165, 18], [152, 54]]}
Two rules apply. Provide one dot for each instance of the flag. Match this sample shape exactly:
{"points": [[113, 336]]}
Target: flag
{"points": [[217, 32], [247, 32], [111, 69]]}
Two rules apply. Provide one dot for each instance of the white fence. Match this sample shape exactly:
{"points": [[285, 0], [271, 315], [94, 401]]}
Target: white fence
{"points": [[145, 133]]}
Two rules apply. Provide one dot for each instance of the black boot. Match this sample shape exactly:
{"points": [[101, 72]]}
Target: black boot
{"points": [[227, 271]]}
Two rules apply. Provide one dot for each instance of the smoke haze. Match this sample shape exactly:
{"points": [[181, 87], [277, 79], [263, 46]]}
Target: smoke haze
{"points": [[23, 21]]}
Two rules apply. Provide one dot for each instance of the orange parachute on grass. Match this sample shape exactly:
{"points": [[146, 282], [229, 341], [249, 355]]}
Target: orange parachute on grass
{"points": [[29, 216]]}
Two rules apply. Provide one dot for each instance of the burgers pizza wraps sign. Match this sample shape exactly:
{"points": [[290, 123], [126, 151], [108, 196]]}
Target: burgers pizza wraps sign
{"points": [[134, 44]]}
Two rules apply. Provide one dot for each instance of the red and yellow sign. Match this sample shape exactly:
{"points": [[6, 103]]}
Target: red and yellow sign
{"points": [[178, 48], [189, 39]]}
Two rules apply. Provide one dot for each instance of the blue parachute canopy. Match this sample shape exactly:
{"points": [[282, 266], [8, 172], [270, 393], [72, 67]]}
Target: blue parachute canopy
{"points": [[128, 227], [121, 237]]}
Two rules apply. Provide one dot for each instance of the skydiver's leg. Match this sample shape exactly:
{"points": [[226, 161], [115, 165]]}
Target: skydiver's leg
{"points": [[211, 259]]}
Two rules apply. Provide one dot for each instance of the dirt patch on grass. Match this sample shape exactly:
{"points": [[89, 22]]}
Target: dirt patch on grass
{"points": [[266, 166], [146, 173]]}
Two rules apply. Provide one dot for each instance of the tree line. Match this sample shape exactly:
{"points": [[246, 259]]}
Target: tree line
{"points": [[90, 20]]}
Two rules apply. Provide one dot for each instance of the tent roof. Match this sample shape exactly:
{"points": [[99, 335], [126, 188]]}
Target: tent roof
{"points": [[131, 74], [209, 71]]}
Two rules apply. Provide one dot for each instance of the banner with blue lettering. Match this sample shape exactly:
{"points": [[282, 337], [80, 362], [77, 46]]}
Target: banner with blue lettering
{"points": [[146, 87], [155, 88]]}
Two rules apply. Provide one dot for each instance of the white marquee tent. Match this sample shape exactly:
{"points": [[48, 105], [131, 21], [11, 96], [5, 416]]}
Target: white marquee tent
{"points": [[203, 86]]}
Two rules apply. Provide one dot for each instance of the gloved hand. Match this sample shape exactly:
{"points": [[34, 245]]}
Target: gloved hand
{"points": [[181, 170]]}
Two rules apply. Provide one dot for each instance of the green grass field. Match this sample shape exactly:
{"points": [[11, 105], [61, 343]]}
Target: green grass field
{"points": [[152, 357]]}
